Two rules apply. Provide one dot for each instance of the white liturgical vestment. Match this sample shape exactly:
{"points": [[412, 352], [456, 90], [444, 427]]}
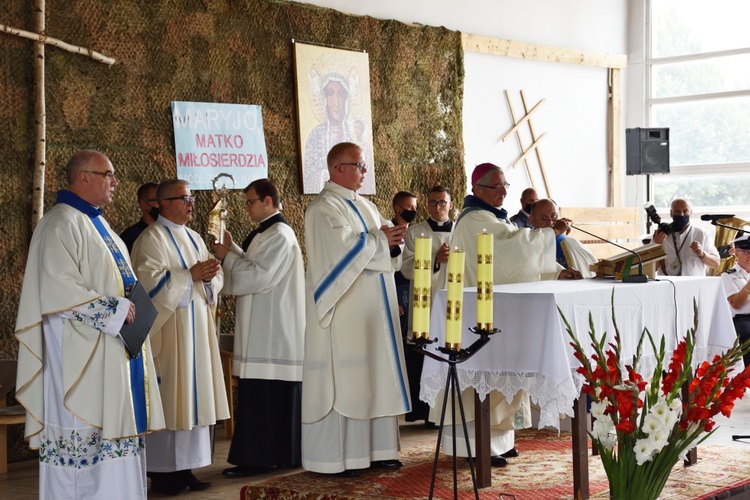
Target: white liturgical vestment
{"points": [[81, 391], [354, 363], [183, 337], [519, 255]]}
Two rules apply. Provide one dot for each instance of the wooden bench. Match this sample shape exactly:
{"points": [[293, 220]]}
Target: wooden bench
{"points": [[618, 224], [8, 415]]}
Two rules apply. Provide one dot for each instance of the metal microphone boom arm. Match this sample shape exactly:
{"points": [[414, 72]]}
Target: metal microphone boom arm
{"points": [[631, 278]]}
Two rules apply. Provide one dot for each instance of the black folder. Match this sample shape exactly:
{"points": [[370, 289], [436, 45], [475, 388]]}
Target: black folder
{"points": [[135, 333]]}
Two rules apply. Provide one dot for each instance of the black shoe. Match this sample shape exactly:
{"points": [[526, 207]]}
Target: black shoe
{"points": [[245, 471], [386, 464], [512, 453], [430, 425], [192, 482], [498, 461], [166, 483], [347, 473]]}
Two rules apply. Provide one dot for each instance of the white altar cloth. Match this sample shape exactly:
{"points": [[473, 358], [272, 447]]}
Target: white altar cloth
{"points": [[532, 350]]}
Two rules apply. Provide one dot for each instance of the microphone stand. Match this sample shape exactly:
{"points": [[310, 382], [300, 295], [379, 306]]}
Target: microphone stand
{"points": [[740, 232], [630, 278]]}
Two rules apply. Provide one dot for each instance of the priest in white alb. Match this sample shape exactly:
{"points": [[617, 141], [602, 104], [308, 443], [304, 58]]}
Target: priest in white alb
{"points": [[183, 280], [267, 277], [520, 255], [88, 403], [354, 379]]}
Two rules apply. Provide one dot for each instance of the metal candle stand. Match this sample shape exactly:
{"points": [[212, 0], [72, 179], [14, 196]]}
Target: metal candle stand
{"points": [[451, 383]]}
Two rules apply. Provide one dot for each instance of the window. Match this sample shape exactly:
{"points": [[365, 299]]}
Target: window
{"points": [[699, 87]]}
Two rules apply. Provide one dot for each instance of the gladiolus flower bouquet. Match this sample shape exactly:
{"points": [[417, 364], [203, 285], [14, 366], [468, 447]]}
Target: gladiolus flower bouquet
{"points": [[642, 427]]}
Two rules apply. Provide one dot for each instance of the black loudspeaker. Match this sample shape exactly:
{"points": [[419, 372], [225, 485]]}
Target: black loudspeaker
{"points": [[647, 151]]}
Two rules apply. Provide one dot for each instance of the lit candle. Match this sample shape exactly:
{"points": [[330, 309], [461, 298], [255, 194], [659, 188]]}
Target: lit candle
{"points": [[455, 300], [484, 281], [420, 312]]}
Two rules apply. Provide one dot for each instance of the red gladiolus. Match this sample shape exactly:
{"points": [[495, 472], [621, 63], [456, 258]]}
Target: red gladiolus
{"points": [[626, 427]]}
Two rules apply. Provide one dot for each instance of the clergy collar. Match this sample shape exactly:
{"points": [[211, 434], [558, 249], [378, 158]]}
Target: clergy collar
{"points": [[473, 201], [444, 226], [168, 223], [270, 221], [341, 190], [69, 198]]}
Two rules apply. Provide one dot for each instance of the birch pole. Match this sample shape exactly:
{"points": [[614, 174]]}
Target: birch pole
{"points": [[40, 109], [40, 120]]}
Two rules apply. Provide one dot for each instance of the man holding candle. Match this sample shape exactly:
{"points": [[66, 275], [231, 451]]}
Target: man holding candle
{"points": [[354, 378], [438, 227], [519, 255]]}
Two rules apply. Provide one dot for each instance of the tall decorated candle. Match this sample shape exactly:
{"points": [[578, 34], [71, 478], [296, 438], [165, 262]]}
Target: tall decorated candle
{"points": [[484, 281], [453, 332], [420, 312]]}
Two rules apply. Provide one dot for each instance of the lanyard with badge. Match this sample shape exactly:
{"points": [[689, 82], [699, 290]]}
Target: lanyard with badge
{"points": [[676, 266]]}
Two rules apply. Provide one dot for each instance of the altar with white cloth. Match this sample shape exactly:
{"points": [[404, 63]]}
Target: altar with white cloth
{"points": [[532, 352]]}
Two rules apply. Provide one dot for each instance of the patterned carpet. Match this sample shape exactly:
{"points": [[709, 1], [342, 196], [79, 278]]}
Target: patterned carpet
{"points": [[543, 471]]}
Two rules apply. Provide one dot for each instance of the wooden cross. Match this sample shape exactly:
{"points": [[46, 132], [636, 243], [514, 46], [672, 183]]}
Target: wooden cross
{"points": [[526, 119], [40, 109]]}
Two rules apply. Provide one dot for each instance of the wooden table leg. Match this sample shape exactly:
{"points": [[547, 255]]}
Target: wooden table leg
{"points": [[482, 438], [580, 450]]}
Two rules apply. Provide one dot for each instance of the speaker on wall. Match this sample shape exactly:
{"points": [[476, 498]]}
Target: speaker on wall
{"points": [[647, 151]]}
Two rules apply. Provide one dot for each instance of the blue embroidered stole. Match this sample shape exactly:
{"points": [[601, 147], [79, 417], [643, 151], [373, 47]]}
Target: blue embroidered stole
{"points": [[137, 370]]}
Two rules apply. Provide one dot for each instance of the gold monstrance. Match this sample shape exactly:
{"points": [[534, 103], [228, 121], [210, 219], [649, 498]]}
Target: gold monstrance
{"points": [[217, 217]]}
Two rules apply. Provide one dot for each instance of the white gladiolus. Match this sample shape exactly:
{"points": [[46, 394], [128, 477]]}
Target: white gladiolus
{"points": [[597, 409], [660, 410], [652, 423], [643, 451], [659, 439], [676, 405], [602, 432]]}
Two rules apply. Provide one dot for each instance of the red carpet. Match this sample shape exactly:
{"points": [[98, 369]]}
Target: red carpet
{"points": [[542, 472]]}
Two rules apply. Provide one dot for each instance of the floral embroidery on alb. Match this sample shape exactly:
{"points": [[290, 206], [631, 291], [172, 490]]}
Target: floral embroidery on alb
{"points": [[81, 448]]}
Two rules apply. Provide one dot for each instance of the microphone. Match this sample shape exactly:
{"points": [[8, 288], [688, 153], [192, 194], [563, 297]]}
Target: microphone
{"points": [[714, 217], [631, 278]]}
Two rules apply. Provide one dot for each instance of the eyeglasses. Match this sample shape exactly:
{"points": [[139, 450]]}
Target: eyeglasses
{"points": [[108, 174], [436, 203], [250, 202], [505, 185], [742, 251], [187, 199], [361, 166], [551, 218]]}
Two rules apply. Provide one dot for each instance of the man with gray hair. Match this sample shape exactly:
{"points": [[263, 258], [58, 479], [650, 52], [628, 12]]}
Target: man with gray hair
{"points": [[88, 403], [183, 280], [520, 255]]}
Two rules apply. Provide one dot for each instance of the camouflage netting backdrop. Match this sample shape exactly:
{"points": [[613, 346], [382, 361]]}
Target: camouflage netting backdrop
{"points": [[209, 51]]}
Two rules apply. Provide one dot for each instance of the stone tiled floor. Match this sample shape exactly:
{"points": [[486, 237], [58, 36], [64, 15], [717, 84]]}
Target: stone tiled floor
{"points": [[21, 481]]}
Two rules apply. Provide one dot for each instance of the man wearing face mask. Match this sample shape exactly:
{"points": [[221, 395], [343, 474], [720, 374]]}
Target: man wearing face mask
{"points": [[149, 213], [528, 198], [690, 250], [405, 210]]}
